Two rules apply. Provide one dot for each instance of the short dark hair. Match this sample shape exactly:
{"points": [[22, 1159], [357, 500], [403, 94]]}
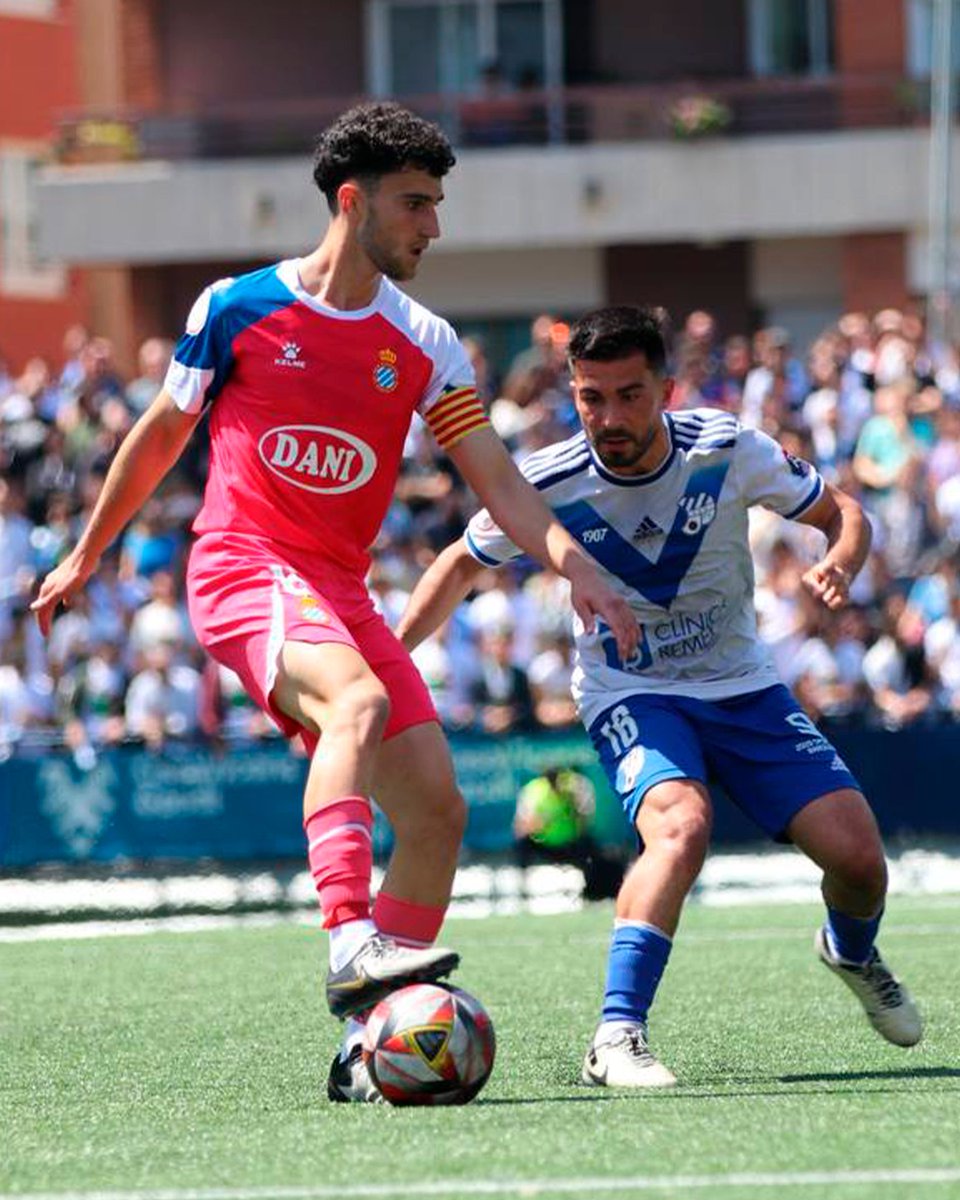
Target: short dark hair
{"points": [[619, 331], [376, 139]]}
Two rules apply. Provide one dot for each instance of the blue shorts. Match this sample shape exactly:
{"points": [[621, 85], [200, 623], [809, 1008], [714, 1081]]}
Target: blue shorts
{"points": [[761, 747]]}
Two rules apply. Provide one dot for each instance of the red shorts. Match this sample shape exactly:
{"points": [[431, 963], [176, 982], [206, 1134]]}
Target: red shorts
{"points": [[247, 598]]}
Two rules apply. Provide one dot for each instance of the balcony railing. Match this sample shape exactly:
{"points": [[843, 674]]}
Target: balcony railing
{"points": [[686, 110]]}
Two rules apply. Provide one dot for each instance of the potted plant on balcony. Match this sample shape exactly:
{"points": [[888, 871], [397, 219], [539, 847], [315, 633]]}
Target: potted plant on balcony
{"points": [[698, 116]]}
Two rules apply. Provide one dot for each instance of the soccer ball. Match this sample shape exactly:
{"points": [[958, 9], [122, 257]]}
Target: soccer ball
{"points": [[426, 1044]]}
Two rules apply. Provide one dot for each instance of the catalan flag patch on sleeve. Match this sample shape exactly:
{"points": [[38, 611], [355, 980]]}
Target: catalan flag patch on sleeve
{"points": [[457, 413]]}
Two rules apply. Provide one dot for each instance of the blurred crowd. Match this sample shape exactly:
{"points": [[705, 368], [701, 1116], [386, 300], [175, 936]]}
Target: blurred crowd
{"points": [[871, 402]]}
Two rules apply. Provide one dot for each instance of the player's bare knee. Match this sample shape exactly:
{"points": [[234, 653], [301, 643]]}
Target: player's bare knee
{"points": [[686, 838], [863, 872], [676, 824], [454, 817], [679, 831], [361, 711]]}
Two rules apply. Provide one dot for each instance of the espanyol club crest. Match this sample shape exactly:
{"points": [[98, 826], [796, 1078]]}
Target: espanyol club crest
{"points": [[385, 374]]}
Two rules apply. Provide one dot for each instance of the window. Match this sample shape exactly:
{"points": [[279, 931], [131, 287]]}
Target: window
{"points": [[791, 37], [40, 10], [920, 37], [418, 48], [21, 272]]}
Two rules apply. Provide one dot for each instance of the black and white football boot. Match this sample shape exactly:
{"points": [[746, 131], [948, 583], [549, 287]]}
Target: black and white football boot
{"points": [[381, 966]]}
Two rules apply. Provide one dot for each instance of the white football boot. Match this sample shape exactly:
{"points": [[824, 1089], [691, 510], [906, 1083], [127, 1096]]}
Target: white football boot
{"points": [[623, 1059], [887, 1003]]}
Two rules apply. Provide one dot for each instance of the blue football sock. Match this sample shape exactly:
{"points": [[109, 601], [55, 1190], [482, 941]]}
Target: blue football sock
{"points": [[851, 938], [638, 955]]}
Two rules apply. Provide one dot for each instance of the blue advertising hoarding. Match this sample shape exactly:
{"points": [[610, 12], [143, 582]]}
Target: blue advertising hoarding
{"points": [[192, 802]]}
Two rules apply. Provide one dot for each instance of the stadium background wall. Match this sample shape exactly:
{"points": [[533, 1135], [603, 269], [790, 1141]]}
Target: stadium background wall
{"points": [[189, 802]]}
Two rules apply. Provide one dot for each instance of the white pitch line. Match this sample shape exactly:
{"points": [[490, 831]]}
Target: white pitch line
{"points": [[528, 1187], [141, 926], [68, 931]]}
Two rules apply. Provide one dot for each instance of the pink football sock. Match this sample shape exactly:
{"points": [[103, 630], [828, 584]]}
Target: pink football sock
{"points": [[407, 923], [340, 853]]}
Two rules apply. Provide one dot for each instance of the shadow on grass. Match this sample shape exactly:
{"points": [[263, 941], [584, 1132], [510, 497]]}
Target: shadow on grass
{"points": [[737, 1088], [588, 1094], [899, 1073]]}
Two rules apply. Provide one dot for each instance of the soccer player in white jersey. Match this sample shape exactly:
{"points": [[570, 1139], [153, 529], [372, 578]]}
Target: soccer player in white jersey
{"points": [[660, 500], [312, 370]]}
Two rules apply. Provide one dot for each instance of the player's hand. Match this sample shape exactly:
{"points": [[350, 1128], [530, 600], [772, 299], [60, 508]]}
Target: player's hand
{"points": [[829, 583], [591, 598], [59, 587]]}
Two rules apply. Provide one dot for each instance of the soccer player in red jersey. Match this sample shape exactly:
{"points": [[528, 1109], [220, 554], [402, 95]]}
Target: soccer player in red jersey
{"points": [[311, 370]]}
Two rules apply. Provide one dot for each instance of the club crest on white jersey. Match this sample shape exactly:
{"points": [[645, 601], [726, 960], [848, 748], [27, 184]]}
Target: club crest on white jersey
{"points": [[674, 544]]}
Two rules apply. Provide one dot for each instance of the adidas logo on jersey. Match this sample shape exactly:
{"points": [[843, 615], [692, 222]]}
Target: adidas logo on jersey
{"points": [[700, 510], [290, 357], [648, 528]]}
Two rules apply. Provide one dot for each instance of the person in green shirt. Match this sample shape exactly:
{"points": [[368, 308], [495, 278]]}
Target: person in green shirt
{"points": [[552, 824]]}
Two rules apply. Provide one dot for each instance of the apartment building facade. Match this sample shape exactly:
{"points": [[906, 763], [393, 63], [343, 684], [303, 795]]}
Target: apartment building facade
{"points": [[40, 77], [762, 158]]}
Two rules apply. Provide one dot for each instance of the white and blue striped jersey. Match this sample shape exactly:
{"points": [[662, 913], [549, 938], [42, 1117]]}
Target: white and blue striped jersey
{"points": [[674, 544]]}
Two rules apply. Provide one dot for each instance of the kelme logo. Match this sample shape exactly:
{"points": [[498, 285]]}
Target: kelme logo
{"points": [[318, 458]]}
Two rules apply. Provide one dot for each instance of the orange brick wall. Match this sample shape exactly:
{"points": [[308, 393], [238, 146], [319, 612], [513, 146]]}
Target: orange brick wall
{"points": [[142, 79], [870, 52], [870, 35], [874, 271], [38, 79]]}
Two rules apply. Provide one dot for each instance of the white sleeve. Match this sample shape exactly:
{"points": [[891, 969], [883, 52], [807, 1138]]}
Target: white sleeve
{"points": [[452, 369], [767, 475], [202, 357], [487, 542]]}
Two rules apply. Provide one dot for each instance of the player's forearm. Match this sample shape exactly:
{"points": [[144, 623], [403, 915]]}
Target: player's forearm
{"points": [[521, 513], [144, 458], [516, 506], [848, 536], [438, 592]]}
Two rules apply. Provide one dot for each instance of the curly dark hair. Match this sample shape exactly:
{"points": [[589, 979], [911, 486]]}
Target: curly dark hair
{"points": [[619, 331], [376, 139]]}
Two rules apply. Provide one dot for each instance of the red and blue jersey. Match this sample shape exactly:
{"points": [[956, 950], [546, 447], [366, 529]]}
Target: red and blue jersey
{"points": [[310, 407]]}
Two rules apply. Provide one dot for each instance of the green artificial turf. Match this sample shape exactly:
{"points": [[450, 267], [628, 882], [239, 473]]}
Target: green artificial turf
{"points": [[198, 1061]]}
